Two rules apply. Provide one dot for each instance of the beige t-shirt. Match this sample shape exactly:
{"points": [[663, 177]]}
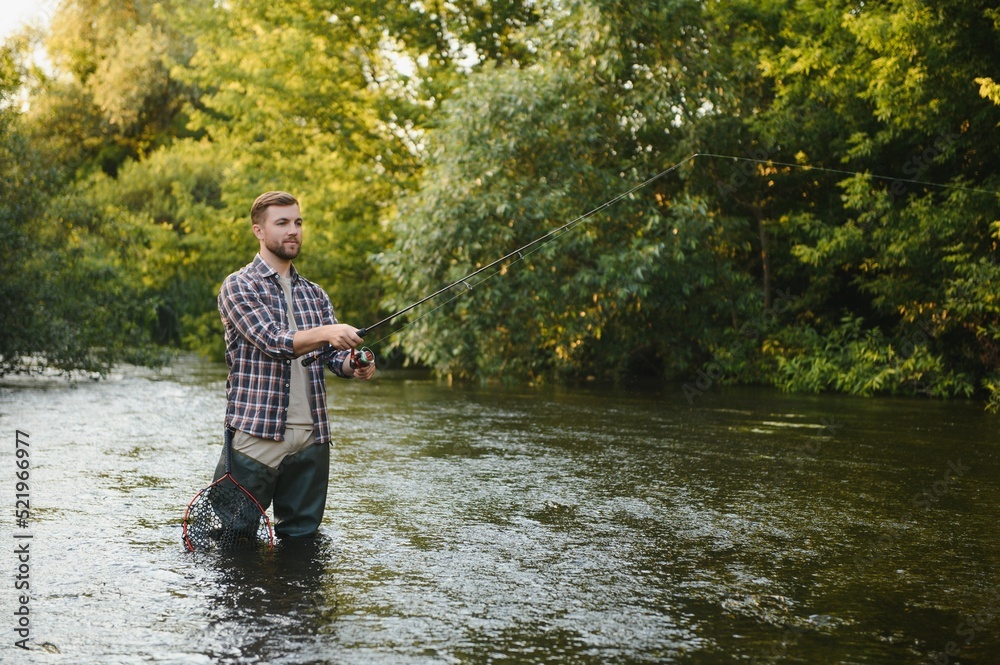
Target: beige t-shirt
{"points": [[273, 453], [300, 394]]}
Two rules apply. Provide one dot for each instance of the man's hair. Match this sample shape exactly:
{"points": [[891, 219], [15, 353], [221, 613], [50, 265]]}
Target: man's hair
{"points": [[259, 208]]}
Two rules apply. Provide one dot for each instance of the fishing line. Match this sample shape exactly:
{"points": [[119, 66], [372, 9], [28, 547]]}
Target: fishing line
{"points": [[522, 252], [809, 167]]}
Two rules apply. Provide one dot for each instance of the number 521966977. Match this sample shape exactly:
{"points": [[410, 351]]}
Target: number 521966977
{"points": [[22, 456]]}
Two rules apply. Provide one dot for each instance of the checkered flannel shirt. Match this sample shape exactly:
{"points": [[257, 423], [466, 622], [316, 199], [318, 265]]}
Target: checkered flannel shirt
{"points": [[259, 349]]}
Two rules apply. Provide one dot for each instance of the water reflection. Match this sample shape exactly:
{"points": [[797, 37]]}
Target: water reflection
{"points": [[266, 602]]}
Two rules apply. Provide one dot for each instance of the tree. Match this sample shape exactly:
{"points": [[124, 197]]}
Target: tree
{"points": [[74, 300], [22, 186], [428, 139], [69, 300], [113, 98], [523, 149], [909, 259]]}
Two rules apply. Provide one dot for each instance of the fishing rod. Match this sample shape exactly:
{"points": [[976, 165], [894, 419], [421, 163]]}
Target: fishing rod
{"points": [[520, 252], [367, 357]]}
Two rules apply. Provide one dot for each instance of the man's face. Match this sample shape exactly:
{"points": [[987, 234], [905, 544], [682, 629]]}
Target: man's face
{"points": [[281, 232]]}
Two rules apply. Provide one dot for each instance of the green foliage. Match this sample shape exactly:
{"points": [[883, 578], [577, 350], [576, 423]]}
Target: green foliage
{"points": [[22, 184], [857, 360], [70, 301], [899, 101], [291, 101], [426, 141], [111, 97], [991, 385], [525, 151]]}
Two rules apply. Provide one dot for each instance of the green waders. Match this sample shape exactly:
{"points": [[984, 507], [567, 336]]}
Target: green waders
{"points": [[297, 487]]}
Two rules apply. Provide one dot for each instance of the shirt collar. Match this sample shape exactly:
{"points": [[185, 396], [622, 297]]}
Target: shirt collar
{"points": [[260, 266]]}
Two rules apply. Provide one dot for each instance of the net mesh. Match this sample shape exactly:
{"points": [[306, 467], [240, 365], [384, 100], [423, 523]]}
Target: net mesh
{"points": [[225, 516]]}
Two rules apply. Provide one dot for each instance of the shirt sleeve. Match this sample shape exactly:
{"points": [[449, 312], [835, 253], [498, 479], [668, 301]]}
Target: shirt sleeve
{"points": [[242, 307], [336, 363]]}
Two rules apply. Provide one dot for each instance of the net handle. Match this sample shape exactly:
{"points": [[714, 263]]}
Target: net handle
{"points": [[228, 447]]}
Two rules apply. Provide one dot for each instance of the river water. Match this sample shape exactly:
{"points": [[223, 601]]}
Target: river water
{"points": [[489, 525]]}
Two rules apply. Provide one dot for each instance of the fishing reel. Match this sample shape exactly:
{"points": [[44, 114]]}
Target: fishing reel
{"points": [[362, 357]]}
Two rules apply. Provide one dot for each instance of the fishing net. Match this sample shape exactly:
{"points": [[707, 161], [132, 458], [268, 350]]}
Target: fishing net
{"points": [[225, 516]]}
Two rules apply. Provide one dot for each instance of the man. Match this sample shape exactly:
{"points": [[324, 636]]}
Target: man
{"points": [[275, 406]]}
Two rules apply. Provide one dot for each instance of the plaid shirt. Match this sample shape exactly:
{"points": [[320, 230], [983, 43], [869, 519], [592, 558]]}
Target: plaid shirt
{"points": [[259, 349]]}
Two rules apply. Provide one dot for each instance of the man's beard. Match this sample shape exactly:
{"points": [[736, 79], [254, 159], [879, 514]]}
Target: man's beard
{"points": [[283, 252]]}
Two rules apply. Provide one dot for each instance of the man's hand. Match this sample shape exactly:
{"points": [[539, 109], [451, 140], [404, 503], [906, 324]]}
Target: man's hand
{"points": [[340, 336], [365, 373]]}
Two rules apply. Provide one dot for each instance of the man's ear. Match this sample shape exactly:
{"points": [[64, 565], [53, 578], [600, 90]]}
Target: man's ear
{"points": [[257, 231]]}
